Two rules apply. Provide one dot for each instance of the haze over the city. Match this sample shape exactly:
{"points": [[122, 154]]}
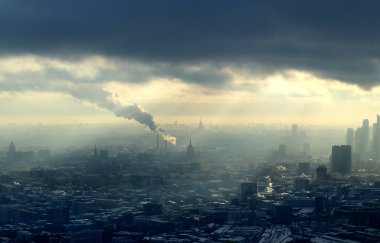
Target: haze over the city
{"points": [[230, 62], [190, 121]]}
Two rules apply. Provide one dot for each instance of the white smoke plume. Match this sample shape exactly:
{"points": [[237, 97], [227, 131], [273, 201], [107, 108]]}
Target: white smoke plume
{"points": [[136, 113], [102, 99], [78, 78]]}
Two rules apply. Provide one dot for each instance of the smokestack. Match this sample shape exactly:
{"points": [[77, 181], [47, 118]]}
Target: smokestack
{"points": [[158, 142]]}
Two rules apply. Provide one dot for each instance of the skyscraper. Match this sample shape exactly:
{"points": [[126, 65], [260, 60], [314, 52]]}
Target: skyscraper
{"points": [[11, 154], [376, 139], [321, 173], [350, 137], [190, 150], [341, 159], [247, 189], [365, 137], [362, 140], [200, 125]]}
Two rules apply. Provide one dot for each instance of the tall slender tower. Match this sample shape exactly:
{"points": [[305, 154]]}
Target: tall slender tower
{"points": [[350, 137], [190, 150], [200, 125], [376, 139], [362, 140], [11, 154]]}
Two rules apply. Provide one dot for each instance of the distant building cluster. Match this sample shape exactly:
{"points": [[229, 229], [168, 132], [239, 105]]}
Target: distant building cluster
{"points": [[14, 155], [197, 193], [364, 143]]}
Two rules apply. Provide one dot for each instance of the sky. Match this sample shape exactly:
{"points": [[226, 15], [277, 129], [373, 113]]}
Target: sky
{"points": [[77, 61]]}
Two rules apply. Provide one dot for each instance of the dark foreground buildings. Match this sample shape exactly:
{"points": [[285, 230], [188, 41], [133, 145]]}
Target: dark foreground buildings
{"points": [[341, 159]]}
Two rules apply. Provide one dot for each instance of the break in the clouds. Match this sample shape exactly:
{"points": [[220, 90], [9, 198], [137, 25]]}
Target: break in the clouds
{"points": [[234, 61], [31, 73], [332, 39]]}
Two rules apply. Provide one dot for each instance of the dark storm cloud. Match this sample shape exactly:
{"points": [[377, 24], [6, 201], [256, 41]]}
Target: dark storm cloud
{"points": [[334, 39], [209, 75]]}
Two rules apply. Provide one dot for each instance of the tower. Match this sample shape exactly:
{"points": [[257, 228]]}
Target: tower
{"points": [[200, 125], [376, 139], [365, 139], [362, 140], [11, 154], [341, 159], [247, 189], [190, 150], [350, 137], [321, 173]]}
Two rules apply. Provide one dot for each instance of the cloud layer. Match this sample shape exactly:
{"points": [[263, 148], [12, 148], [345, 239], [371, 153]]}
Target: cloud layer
{"points": [[333, 39]]}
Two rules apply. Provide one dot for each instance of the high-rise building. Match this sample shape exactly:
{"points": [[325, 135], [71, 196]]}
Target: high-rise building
{"points": [[341, 159], [11, 154], [247, 189], [321, 173], [200, 125], [103, 154], [350, 137], [376, 139], [305, 155], [365, 138], [362, 140], [357, 140], [190, 150]]}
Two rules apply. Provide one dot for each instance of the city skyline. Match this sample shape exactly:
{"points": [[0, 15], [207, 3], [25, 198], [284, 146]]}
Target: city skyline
{"points": [[189, 121]]}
